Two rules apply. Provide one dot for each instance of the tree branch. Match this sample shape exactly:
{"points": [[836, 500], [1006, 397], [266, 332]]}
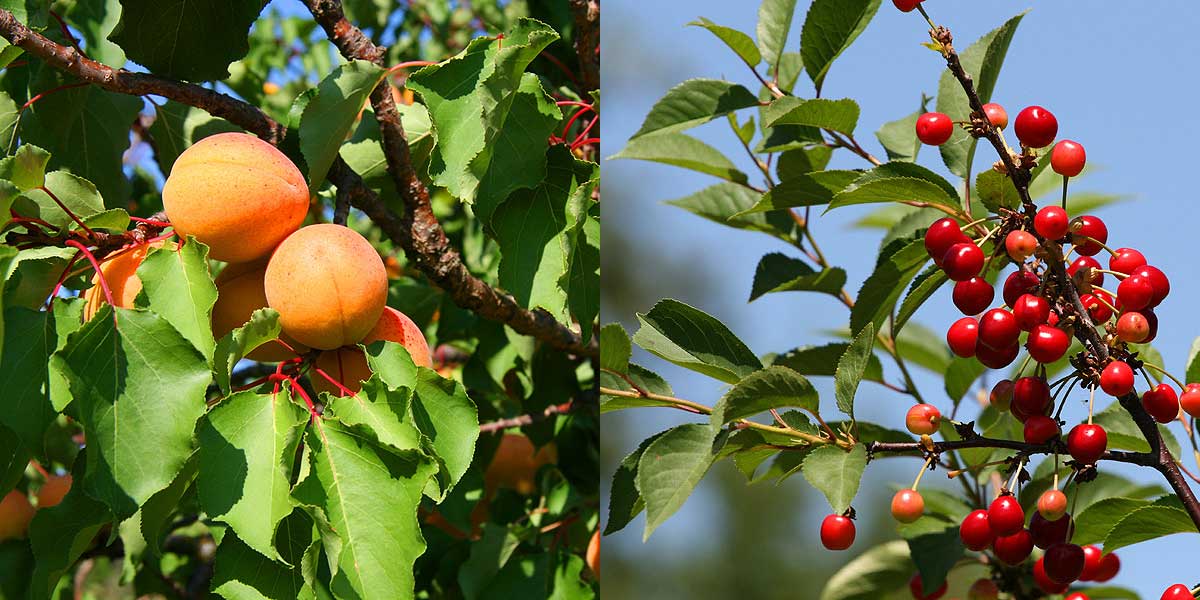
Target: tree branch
{"points": [[1145, 459], [523, 420], [587, 40]]}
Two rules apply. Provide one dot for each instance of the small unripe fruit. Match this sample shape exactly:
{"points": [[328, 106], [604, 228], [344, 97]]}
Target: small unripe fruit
{"points": [[1013, 549], [837, 532], [237, 194], [1001, 395], [941, 235], [922, 419], [349, 365], [1047, 344], [1040, 429], [1052, 505], [1036, 127], [240, 292], [983, 589], [1020, 245], [1005, 516], [918, 591], [15, 514], [907, 506], [1051, 223], [1067, 158], [973, 296], [962, 261], [1085, 227], [996, 115], [962, 336], [1087, 443], [975, 532], [934, 128], [1126, 260], [1116, 379]]}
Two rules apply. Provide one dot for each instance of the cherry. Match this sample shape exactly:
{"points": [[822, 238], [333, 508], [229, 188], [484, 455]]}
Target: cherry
{"points": [[942, 234], [1087, 443], [975, 531], [906, 5], [1036, 127], [1040, 429], [973, 296], [1031, 311], [996, 359], [1077, 596], [1097, 305], [1086, 227], [1051, 223], [1020, 245], [1006, 517], [1162, 403], [962, 336], [996, 115], [1001, 395], [1133, 327], [922, 419], [907, 506], [1031, 396], [1178, 592], [1116, 379], [934, 128], [1135, 293], [1189, 401], [1067, 158], [918, 591], [1043, 580], [1017, 283], [1094, 277], [1152, 320], [1109, 566], [1126, 260], [998, 329], [1046, 533], [837, 532], [1158, 279], [1064, 562], [1091, 563], [983, 589], [1013, 549], [1047, 344], [962, 261], [1052, 505]]}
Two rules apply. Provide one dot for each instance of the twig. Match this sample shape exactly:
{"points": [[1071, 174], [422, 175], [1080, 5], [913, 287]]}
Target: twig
{"points": [[523, 420]]}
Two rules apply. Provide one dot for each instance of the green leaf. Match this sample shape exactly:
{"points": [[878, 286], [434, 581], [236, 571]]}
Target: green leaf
{"points": [[982, 61], [995, 190], [1148, 523], [682, 150], [1193, 363], [1124, 434], [644, 378], [960, 375], [581, 280], [493, 550], [95, 20], [331, 113], [851, 368], [444, 413], [924, 348], [837, 473], [670, 468], [800, 161], [247, 448], [262, 327], [727, 204], [177, 126], [695, 102], [9, 118], [872, 575], [13, 459], [935, 553], [837, 115], [185, 39], [879, 293], [772, 387], [76, 193], [366, 494], [615, 348], [823, 360], [1093, 523], [60, 534], [774, 23], [30, 337], [383, 409], [892, 189], [138, 392], [742, 44], [924, 286], [899, 138], [180, 289], [694, 340], [781, 273], [26, 168], [810, 189], [829, 28], [625, 502], [240, 573]]}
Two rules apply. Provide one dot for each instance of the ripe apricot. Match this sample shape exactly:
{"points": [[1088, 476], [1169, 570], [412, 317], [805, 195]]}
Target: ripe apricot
{"points": [[15, 514], [240, 292], [516, 463], [593, 553], [349, 365], [120, 272], [52, 492], [237, 194], [328, 284]]}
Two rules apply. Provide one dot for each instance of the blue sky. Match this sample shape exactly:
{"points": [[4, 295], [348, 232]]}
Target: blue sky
{"points": [[1112, 76]]}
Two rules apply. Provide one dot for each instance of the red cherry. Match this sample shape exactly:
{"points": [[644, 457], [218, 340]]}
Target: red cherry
{"points": [[1013, 549], [975, 531], [837, 532], [1098, 306], [1116, 379], [1189, 401], [1006, 517], [1126, 260], [1046, 533], [1017, 283], [1036, 127], [1091, 563], [1031, 311], [1135, 293], [1178, 592], [996, 115], [1077, 596], [1001, 395], [918, 592], [1020, 245], [1086, 227], [922, 419], [934, 128], [973, 296], [1067, 158], [906, 5], [1052, 505], [962, 336], [907, 506], [1040, 429], [1152, 320], [1087, 262], [962, 261], [942, 234], [998, 329], [1031, 396], [1043, 580], [1047, 344], [1109, 566], [1064, 562], [1133, 327], [1087, 443], [983, 589], [1051, 223], [1162, 403], [996, 359], [1158, 279]]}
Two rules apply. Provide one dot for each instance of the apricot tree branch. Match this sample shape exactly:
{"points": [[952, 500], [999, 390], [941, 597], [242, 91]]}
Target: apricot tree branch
{"points": [[528, 419], [587, 40]]}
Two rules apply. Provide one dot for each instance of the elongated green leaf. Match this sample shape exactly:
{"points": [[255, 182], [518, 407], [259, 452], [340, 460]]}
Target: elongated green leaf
{"points": [[924, 347], [581, 279], [522, 164], [810, 189], [30, 338], [1124, 434], [177, 126], [774, 23], [185, 39], [644, 378], [180, 289], [694, 102], [899, 138], [684, 151], [448, 418], [935, 552], [995, 190], [879, 293], [772, 387], [625, 501], [924, 286], [837, 115], [1148, 523], [240, 573], [892, 189], [615, 348], [823, 360], [851, 367], [873, 574], [1093, 524], [960, 375], [743, 45], [669, 470], [781, 273], [331, 113], [829, 28], [836, 472], [1193, 363], [13, 459], [9, 116], [694, 340], [799, 161], [76, 193], [727, 204]]}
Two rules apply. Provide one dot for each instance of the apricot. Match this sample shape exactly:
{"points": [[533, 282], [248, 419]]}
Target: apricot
{"points": [[120, 272], [237, 194], [52, 492], [240, 292], [328, 284], [15, 514], [349, 365], [593, 554], [516, 463]]}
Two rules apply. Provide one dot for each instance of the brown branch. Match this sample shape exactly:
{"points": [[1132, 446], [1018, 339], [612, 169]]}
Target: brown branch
{"points": [[1138, 458], [587, 40], [523, 420], [417, 231], [1086, 332]]}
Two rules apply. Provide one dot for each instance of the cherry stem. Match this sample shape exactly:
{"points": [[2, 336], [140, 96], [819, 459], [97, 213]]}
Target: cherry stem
{"points": [[978, 221], [1016, 474], [78, 221], [410, 64], [1091, 404], [1064, 196], [957, 472], [1055, 470], [67, 32], [921, 473], [1116, 274], [1159, 369], [1098, 243], [926, 15]]}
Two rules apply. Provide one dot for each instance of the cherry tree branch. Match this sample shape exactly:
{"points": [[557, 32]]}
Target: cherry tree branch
{"points": [[1145, 459]]}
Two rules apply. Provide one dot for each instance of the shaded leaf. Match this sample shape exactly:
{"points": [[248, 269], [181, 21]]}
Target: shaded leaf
{"points": [[695, 102], [781, 273], [829, 28], [851, 368], [669, 470], [185, 39], [772, 387], [694, 340]]}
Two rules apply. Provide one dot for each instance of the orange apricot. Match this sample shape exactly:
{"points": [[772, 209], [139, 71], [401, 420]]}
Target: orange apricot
{"points": [[120, 272], [15, 514], [593, 554], [240, 292], [349, 365], [328, 284], [237, 194], [515, 464], [52, 492]]}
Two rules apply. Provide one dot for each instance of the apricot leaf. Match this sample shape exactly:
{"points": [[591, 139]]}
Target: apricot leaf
{"points": [[178, 286], [186, 39], [330, 114], [60, 534]]}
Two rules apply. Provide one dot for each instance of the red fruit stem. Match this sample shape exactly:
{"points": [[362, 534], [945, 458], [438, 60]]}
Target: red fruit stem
{"points": [[78, 221], [341, 388], [49, 92], [162, 224], [576, 145], [99, 274], [67, 33], [62, 278], [312, 408], [37, 466], [571, 121]]}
